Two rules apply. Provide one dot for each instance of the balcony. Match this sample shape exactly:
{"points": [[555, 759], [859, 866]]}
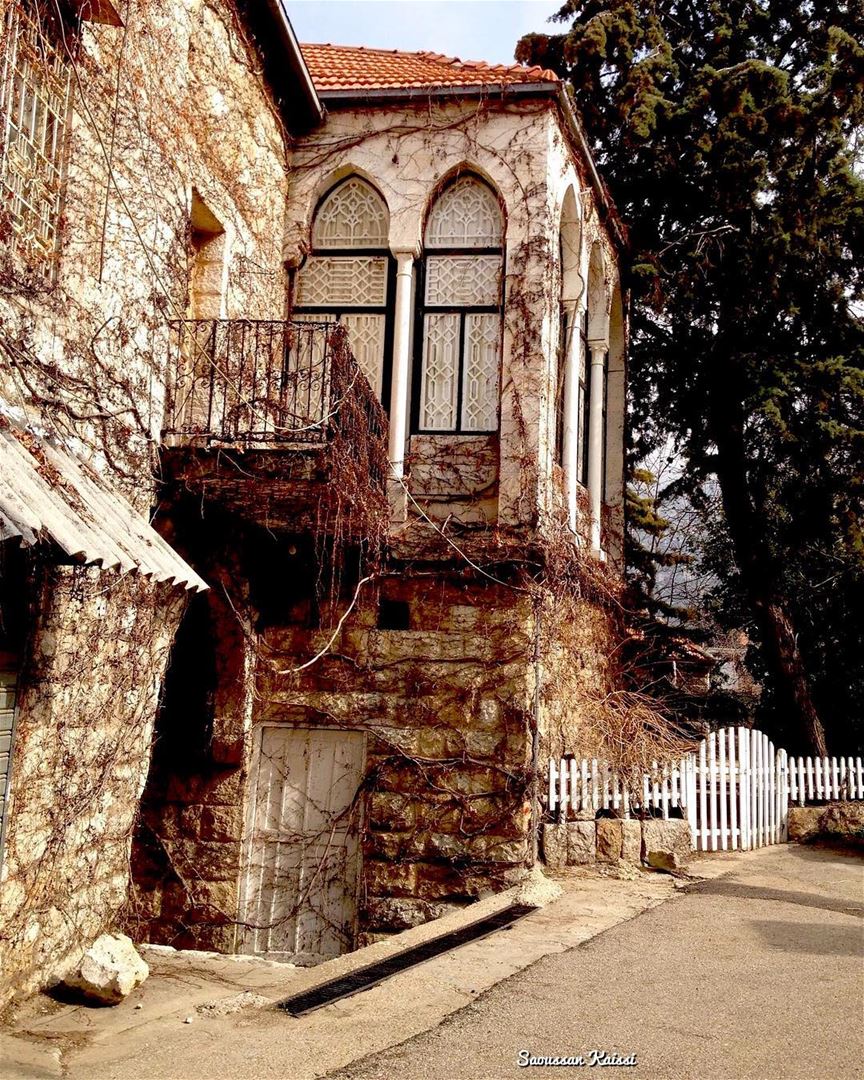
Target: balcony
{"points": [[263, 415]]}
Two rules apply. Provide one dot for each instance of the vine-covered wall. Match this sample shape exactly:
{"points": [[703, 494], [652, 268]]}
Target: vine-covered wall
{"points": [[172, 129]]}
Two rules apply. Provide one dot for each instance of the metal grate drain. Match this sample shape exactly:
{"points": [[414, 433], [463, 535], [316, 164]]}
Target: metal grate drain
{"points": [[369, 976]]}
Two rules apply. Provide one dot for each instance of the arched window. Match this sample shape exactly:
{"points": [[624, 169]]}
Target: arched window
{"points": [[347, 276], [460, 349]]}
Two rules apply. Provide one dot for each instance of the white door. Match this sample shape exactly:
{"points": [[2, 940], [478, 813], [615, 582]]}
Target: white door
{"points": [[299, 893]]}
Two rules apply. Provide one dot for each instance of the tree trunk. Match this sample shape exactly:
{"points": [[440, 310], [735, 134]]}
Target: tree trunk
{"points": [[755, 562]]}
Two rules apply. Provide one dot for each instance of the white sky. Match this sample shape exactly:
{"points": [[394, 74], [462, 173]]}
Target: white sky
{"points": [[470, 29]]}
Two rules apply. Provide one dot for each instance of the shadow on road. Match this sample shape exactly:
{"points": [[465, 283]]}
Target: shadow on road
{"points": [[784, 896], [797, 937]]}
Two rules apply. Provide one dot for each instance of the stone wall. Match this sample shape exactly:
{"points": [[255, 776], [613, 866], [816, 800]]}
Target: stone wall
{"points": [[438, 670], [170, 115], [86, 708], [662, 845], [838, 822]]}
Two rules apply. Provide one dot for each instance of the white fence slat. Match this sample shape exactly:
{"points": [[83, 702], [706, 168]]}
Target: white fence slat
{"points": [[734, 835], [712, 789], [553, 786], [760, 787], [664, 791], [859, 776], [724, 789], [771, 792], [702, 782], [765, 792], [583, 785], [754, 790], [853, 787], [755, 786], [692, 811], [574, 783], [744, 787], [782, 795]]}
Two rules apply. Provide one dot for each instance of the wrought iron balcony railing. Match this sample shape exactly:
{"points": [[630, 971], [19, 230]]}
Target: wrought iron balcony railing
{"points": [[253, 381]]}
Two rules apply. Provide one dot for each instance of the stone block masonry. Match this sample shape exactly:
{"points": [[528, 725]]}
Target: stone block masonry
{"points": [[446, 706]]}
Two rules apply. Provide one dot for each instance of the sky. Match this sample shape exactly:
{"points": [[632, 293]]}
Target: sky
{"points": [[470, 29]]}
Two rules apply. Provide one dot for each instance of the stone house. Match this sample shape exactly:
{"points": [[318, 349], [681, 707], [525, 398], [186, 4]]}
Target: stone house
{"points": [[357, 712], [312, 376]]}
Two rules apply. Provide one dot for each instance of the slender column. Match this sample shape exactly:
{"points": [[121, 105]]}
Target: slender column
{"points": [[573, 368], [595, 439], [401, 360]]}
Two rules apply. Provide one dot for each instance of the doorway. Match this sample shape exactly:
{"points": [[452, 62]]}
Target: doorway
{"points": [[300, 884]]}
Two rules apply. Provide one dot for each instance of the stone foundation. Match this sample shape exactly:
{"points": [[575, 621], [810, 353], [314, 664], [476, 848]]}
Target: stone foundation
{"points": [[663, 845]]}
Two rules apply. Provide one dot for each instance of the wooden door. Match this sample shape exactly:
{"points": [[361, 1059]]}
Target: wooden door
{"points": [[299, 894]]}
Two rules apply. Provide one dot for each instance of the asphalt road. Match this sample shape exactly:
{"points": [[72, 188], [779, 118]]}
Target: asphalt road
{"points": [[758, 975]]}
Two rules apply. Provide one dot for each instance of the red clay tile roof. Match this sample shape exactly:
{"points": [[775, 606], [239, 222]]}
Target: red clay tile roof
{"points": [[354, 67]]}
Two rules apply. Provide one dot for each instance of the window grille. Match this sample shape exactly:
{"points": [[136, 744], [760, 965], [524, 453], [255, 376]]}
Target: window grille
{"points": [[353, 215], [351, 282], [35, 97], [466, 215], [459, 356]]}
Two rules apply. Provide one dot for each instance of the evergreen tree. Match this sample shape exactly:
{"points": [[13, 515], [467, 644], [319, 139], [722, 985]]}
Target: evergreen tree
{"points": [[728, 132]]}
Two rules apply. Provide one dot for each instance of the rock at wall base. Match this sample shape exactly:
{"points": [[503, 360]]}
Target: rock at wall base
{"points": [[666, 845], [555, 845], [109, 971], [581, 843], [803, 822]]}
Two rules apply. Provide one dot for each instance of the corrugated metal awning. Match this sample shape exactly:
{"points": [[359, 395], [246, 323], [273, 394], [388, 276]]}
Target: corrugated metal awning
{"points": [[48, 494]]}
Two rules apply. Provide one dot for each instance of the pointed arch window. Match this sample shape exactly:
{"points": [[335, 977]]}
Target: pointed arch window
{"points": [[347, 277], [459, 348]]}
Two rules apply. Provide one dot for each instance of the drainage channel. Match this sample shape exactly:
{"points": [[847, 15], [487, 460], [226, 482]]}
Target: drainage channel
{"points": [[369, 976]]}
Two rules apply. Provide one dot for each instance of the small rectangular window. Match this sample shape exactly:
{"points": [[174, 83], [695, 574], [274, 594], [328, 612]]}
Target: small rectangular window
{"points": [[35, 93]]}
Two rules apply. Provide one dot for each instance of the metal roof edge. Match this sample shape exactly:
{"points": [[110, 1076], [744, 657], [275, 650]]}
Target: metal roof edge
{"points": [[390, 94]]}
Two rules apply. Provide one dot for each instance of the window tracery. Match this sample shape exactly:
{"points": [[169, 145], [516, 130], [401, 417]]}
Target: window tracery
{"points": [[351, 282], [460, 349]]}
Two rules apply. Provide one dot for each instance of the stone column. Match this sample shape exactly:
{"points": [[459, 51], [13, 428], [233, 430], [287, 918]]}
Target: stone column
{"points": [[595, 439], [401, 361], [572, 369]]}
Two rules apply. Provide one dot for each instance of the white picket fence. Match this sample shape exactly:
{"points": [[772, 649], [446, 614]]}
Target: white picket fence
{"points": [[734, 791]]}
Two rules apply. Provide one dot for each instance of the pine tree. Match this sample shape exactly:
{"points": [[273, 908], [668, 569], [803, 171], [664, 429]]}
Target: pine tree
{"points": [[728, 133]]}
